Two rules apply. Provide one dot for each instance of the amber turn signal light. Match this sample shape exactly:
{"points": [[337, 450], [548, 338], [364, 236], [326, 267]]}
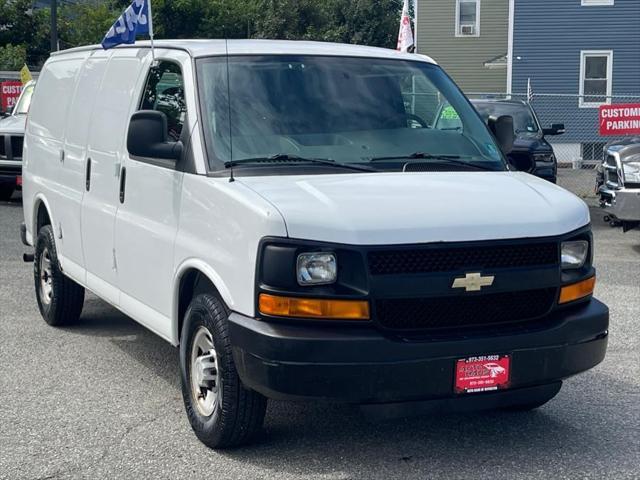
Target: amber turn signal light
{"points": [[577, 291], [313, 308]]}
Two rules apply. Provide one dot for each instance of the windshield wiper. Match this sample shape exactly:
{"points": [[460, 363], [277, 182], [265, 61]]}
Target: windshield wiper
{"points": [[289, 158], [454, 159]]}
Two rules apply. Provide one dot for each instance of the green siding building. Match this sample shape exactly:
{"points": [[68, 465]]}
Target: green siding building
{"points": [[468, 38]]}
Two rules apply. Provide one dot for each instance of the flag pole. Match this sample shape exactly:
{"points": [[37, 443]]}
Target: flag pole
{"points": [[150, 20]]}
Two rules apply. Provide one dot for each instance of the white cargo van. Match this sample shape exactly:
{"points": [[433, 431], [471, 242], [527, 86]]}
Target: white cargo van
{"points": [[293, 216]]}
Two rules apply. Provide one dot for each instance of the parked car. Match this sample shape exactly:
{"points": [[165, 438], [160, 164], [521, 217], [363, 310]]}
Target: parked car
{"points": [[531, 151], [618, 183], [11, 138], [273, 209]]}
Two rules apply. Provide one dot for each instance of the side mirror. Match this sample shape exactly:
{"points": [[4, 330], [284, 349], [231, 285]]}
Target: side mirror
{"points": [[555, 129], [502, 129], [147, 137]]}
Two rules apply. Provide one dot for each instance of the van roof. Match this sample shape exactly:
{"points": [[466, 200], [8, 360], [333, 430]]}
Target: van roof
{"points": [[205, 48]]}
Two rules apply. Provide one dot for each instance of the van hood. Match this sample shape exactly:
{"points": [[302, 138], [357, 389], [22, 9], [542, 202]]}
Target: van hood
{"points": [[405, 208]]}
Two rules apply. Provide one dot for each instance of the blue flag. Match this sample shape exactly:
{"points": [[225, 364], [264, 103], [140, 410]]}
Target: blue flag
{"points": [[133, 22]]}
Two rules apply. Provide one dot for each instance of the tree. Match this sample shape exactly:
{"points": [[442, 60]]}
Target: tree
{"points": [[12, 57], [367, 22], [85, 23], [21, 24]]}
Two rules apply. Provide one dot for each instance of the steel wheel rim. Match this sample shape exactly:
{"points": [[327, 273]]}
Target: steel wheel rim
{"points": [[46, 279], [204, 373]]}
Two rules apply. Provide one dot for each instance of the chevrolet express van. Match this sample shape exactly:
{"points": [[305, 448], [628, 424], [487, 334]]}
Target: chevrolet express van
{"points": [[290, 215]]}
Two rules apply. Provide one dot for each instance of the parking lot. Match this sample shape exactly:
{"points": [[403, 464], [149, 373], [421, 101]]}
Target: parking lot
{"points": [[102, 400]]}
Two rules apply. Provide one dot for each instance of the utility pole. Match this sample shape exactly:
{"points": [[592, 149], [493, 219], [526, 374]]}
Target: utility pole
{"points": [[54, 25]]}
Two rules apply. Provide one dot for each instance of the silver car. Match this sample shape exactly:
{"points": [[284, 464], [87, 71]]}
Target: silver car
{"points": [[618, 183]]}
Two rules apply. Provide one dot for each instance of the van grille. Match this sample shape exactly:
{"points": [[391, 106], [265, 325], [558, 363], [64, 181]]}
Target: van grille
{"points": [[428, 260], [455, 312]]}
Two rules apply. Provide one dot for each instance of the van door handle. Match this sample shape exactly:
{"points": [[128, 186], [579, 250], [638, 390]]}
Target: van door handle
{"points": [[123, 183], [88, 179]]}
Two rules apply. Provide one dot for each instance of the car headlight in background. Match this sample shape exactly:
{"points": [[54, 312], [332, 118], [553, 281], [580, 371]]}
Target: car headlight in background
{"points": [[317, 268], [544, 157], [574, 253]]}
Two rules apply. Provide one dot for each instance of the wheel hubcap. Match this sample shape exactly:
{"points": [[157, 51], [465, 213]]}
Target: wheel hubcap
{"points": [[205, 374], [46, 279]]}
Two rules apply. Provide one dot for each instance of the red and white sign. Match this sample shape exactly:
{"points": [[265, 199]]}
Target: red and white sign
{"points": [[620, 120], [483, 373], [9, 93]]}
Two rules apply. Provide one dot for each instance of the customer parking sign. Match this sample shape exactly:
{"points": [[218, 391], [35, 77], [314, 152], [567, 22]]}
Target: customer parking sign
{"points": [[9, 93], [620, 120]]}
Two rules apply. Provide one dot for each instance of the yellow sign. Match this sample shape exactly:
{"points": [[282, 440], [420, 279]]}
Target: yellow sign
{"points": [[25, 75]]}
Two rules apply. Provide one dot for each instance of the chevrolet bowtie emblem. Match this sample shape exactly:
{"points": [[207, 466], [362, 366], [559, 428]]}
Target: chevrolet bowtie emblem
{"points": [[473, 282]]}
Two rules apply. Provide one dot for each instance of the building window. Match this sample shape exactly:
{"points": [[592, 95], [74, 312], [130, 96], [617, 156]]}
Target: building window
{"points": [[596, 77], [467, 18], [597, 3]]}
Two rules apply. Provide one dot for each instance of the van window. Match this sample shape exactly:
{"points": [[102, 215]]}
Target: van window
{"points": [[164, 92], [347, 110]]}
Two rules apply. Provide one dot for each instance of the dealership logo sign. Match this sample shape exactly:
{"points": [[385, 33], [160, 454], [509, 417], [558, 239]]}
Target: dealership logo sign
{"points": [[473, 282]]}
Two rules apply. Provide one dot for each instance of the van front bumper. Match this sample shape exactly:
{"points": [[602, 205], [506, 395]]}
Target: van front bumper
{"points": [[362, 366]]}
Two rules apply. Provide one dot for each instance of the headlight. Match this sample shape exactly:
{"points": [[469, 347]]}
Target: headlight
{"points": [[574, 253], [317, 268], [544, 157]]}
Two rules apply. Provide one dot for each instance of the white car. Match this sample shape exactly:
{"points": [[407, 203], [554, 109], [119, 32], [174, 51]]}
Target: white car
{"points": [[288, 215], [11, 140]]}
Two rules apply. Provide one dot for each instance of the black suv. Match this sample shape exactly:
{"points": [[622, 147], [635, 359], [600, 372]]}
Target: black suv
{"points": [[531, 152]]}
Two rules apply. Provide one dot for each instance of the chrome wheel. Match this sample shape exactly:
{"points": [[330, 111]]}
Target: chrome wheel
{"points": [[205, 374], [46, 279]]}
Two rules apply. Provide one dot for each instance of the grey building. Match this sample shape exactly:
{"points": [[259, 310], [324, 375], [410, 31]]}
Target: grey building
{"points": [[469, 38]]}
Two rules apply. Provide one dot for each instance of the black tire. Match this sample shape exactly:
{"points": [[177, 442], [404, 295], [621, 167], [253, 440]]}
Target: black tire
{"points": [[239, 412], [6, 193], [61, 304]]}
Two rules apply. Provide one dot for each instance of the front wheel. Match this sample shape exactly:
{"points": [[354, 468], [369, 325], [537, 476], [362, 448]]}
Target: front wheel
{"points": [[222, 411]]}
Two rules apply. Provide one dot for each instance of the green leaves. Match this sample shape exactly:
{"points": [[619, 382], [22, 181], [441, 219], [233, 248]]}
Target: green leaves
{"points": [[367, 22]]}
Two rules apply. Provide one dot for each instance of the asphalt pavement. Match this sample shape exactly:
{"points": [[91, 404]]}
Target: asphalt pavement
{"points": [[102, 400]]}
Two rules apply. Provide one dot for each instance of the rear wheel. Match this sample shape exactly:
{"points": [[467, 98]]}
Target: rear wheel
{"points": [[222, 411], [60, 299], [6, 193]]}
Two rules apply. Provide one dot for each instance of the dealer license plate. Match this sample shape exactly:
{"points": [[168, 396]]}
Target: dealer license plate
{"points": [[483, 373]]}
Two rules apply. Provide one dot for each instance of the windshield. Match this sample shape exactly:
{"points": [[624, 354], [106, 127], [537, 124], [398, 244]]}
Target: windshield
{"points": [[22, 107], [524, 122], [347, 110]]}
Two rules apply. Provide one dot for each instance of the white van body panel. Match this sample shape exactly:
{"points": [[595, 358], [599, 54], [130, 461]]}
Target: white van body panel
{"points": [[405, 208], [43, 174], [221, 225], [116, 101]]}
